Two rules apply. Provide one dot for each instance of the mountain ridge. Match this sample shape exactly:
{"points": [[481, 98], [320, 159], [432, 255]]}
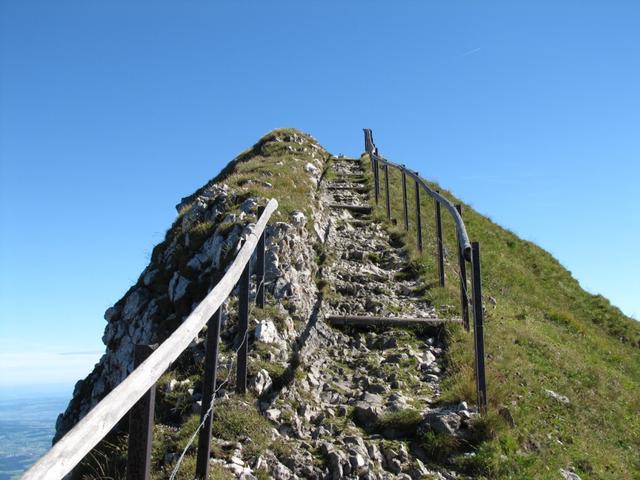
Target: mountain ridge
{"points": [[533, 305]]}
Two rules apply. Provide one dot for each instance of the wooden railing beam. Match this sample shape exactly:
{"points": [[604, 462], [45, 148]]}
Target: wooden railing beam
{"points": [[89, 431]]}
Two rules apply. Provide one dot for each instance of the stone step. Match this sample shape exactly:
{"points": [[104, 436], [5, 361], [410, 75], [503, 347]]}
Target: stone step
{"points": [[361, 320], [352, 208], [357, 222], [351, 175], [348, 187]]}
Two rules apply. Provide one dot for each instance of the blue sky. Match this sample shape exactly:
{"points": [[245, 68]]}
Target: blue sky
{"points": [[110, 112]]}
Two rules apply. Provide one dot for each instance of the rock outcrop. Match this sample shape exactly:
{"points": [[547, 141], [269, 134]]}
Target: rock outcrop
{"points": [[330, 403]]}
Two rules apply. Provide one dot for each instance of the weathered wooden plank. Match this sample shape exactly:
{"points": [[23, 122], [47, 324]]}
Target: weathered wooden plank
{"points": [[350, 175], [79, 441], [362, 320], [348, 187], [353, 208]]}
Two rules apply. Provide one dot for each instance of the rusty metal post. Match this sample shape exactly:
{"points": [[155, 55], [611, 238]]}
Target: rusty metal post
{"points": [[405, 207], [208, 394], [141, 425], [386, 191], [418, 217], [478, 329], [439, 243], [260, 266], [243, 327], [464, 298]]}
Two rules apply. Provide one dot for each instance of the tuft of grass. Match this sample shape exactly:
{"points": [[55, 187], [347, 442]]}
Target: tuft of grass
{"points": [[439, 446], [188, 469], [235, 419], [401, 423]]}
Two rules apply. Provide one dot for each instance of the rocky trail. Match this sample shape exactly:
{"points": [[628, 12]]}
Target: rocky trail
{"points": [[350, 372], [365, 395], [343, 390]]}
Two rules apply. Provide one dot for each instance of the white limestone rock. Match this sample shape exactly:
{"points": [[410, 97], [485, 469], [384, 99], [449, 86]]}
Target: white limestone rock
{"points": [[267, 332], [298, 218], [177, 287], [261, 382]]}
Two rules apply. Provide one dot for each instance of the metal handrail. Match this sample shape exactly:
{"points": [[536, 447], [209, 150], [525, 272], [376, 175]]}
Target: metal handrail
{"points": [[461, 230], [89, 431], [467, 251]]}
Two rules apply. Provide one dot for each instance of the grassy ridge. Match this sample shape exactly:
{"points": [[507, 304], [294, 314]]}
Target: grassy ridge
{"points": [[275, 167], [543, 332]]}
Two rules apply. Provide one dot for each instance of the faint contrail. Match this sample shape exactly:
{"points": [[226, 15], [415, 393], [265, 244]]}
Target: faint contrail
{"points": [[471, 52]]}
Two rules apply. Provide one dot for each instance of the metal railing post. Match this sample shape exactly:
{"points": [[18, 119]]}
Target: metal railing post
{"points": [[260, 267], [208, 395], [141, 425], [478, 329], [243, 327], [418, 217], [405, 208], [439, 244], [376, 180], [464, 298], [386, 190]]}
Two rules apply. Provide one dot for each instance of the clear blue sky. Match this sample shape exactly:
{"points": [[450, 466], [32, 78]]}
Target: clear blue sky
{"points": [[110, 112]]}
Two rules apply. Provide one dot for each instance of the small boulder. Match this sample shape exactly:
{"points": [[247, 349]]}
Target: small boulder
{"points": [[311, 168], [267, 332], [367, 410], [428, 358], [261, 382], [557, 396], [248, 205], [569, 475], [177, 287], [298, 218], [273, 414], [442, 421]]}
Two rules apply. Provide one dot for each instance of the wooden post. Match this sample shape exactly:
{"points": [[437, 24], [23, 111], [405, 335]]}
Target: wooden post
{"points": [[243, 327], [141, 425], [405, 208], [439, 244], [260, 267], [418, 217], [386, 190], [464, 299], [478, 329], [208, 394]]}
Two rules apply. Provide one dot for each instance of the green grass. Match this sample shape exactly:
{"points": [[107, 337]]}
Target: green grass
{"points": [[237, 418], [404, 422], [275, 169], [544, 332]]}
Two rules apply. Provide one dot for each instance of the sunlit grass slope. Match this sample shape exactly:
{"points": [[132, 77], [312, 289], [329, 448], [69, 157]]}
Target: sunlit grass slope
{"points": [[543, 332]]}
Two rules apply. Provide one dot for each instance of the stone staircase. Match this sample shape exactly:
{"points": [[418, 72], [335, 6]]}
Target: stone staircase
{"points": [[366, 276], [366, 393]]}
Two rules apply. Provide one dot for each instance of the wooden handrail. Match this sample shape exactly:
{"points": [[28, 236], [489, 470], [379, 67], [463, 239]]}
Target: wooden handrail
{"points": [[89, 431]]}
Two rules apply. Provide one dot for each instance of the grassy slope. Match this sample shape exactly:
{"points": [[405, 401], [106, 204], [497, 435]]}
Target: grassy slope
{"points": [[544, 332]]}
